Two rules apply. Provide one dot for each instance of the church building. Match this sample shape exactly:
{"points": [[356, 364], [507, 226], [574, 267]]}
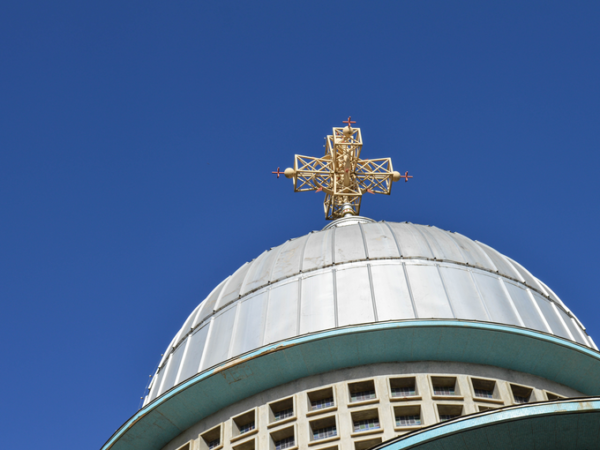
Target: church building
{"points": [[371, 334]]}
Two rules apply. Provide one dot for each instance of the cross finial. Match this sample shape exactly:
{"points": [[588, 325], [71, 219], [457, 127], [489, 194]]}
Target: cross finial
{"points": [[349, 121], [278, 173], [341, 174], [406, 176]]}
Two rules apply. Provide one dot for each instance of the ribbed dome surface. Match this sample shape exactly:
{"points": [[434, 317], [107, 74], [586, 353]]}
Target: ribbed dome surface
{"points": [[360, 273]]}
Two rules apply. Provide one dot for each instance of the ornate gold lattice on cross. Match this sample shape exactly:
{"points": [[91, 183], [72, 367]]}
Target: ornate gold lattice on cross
{"points": [[341, 174]]}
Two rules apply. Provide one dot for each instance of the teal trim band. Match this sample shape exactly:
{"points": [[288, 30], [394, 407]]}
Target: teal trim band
{"points": [[571, 423], [519, 349]]}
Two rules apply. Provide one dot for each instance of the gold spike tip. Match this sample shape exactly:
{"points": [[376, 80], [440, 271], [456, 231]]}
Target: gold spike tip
{"points": [[289, 173]]}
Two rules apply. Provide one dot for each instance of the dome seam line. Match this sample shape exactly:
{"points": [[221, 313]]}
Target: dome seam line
{"points": [[410, 258]]}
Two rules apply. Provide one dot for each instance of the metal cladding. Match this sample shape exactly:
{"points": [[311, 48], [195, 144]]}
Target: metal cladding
{"points": [[359, 272]]}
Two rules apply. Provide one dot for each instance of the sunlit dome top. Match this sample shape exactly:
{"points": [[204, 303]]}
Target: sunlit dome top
{"points": [[359, 271]]}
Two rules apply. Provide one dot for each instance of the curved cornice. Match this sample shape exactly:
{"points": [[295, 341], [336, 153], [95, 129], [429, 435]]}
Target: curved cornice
{"points": [[523, 350], [569, 423]]}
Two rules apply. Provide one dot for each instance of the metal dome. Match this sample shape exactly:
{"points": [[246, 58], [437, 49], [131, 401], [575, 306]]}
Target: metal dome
{"points": [[359, 271]]}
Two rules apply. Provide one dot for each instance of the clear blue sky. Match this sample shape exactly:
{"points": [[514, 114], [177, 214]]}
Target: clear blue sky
{"points": [[137, 140]]}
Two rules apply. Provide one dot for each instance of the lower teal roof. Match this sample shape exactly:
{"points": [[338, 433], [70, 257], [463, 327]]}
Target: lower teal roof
{"points": [[523, 350], [559, 425]]}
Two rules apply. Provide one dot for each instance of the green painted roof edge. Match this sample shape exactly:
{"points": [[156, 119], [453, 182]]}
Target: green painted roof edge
{"points": [[514, 348], [440, 434]]}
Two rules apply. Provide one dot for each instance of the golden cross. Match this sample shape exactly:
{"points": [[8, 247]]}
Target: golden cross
{"points": [[341, 174]]}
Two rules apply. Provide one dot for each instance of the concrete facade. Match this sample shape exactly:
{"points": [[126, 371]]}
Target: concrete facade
{"points": [[385, 405]]}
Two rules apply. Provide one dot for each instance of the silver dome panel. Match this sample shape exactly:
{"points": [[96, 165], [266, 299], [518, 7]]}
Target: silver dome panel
{"points": [[360, 273]]}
